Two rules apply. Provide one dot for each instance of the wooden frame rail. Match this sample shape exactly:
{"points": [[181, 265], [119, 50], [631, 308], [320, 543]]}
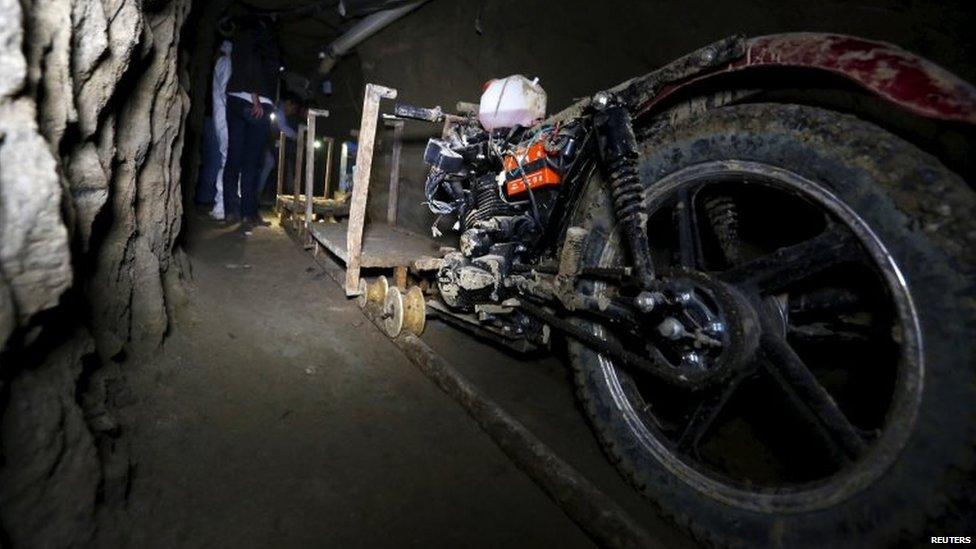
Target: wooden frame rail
{"points": [[360, 181]]}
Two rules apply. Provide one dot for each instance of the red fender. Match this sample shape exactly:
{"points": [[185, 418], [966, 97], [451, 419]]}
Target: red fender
{"points": [[902, 78]]}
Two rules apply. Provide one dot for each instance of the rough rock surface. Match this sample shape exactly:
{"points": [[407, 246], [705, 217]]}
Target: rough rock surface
{"points": [[92, 111], [50, 477]]}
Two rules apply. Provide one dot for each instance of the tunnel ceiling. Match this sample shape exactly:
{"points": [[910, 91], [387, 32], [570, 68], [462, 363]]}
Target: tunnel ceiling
{"points": [[306, 27], [303, 26]]}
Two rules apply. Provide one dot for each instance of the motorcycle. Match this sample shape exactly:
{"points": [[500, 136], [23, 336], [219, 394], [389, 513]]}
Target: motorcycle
{"points": [[767, 305]]}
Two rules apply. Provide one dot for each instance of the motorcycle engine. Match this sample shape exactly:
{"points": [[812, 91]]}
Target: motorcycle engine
{"points": [[501, 188], [493, 232]]}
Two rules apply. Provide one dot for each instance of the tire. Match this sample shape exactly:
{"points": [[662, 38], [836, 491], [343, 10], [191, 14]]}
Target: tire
{"points": [[923, 214]]}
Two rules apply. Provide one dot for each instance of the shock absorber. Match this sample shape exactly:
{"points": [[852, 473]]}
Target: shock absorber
{"points": [[724, 218], [618, 153]]}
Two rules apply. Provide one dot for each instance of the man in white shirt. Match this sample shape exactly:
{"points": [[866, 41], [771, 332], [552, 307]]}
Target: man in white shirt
{"points": [[221, 76]]}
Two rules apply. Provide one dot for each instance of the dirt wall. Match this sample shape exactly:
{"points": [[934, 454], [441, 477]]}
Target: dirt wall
{"points": [[92, 107]]}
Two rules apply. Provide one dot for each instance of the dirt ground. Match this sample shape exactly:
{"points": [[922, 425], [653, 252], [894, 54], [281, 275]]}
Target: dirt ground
{"points": [[277, 415]]}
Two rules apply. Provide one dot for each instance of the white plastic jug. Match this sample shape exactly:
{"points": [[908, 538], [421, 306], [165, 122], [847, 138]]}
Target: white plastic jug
{"points": [[512, 101]]}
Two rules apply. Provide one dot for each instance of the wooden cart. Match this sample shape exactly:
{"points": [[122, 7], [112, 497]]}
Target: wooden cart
{"points": [[359, 245]]}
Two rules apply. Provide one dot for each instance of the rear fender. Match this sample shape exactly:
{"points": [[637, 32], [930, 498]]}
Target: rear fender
{"points": [[901, 78]]}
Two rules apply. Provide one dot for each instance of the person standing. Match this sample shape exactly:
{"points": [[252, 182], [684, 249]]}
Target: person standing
{"points": [[222, 72], [252, 84], [286, 114]]}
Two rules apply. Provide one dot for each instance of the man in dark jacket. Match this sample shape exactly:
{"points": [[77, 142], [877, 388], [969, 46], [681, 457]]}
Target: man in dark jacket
{"points": [[250, 94]]}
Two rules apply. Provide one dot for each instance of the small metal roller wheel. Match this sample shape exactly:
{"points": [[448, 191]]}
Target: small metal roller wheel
{"points": [[414, 311], [393, 312]]}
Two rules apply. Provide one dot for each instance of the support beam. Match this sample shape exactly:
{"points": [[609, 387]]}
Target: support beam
{"points": [[360, 184], [281, 170], [309, 169], [313, 114], [393, 197], [329, 143], [400, 277], [299, 159]]}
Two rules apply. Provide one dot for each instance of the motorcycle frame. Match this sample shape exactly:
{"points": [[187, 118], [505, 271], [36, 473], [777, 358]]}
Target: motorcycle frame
{"points": [[905, 81]]}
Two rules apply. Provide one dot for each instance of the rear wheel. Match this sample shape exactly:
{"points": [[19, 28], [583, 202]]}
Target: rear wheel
{"points": [[852, 416]]}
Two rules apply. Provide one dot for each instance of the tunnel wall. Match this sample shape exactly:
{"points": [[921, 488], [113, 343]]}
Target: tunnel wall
{"points": [[436, 56], [91, 129]]}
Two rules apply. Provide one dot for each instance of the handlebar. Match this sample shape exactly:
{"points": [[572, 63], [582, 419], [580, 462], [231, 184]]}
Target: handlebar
{"points": [[418, 113]]}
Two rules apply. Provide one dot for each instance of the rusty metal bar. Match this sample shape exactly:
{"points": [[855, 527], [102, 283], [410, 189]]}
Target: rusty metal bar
{"points": [[329, 142], [393, 197], [281, 170], [360, 186]]}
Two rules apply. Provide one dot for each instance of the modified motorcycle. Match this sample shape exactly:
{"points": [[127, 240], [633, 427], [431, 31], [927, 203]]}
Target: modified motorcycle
{"points": [[762, 267]]}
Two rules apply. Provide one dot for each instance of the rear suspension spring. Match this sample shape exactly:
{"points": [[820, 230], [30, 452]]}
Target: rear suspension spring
{"points": [[723, 216], [626, 189], [618, 152]]}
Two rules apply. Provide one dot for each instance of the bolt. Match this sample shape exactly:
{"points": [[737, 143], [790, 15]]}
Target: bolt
{"points": [[601, 100], [647, 301], [671, 328], [692, 359], [708, 56], [683, 297], [715, 328]]}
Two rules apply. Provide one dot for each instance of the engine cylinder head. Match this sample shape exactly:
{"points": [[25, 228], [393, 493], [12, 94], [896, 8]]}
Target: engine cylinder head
{"points": [[487, 201]]}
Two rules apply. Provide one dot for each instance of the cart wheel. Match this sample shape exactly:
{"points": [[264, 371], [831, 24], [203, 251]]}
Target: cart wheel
{"points": [[414, 311], [393, 312]]}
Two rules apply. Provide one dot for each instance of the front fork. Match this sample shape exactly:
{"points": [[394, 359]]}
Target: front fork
{"points": [[618, 155]]}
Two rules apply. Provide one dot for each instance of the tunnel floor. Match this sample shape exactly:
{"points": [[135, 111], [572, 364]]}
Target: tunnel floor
{"points": [[276, 414]]}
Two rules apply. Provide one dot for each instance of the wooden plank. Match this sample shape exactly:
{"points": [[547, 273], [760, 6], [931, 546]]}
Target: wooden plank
{"points": [[299, 159], [320, 205], [309, 167], [383, 246], [297, 179], [393, 198], [400, 277], [360, 186], [281, 166], [329, 142]]}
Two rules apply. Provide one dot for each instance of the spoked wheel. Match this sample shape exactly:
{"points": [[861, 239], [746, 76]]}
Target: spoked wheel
{"points": [[807, 270], [821, 360]]}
